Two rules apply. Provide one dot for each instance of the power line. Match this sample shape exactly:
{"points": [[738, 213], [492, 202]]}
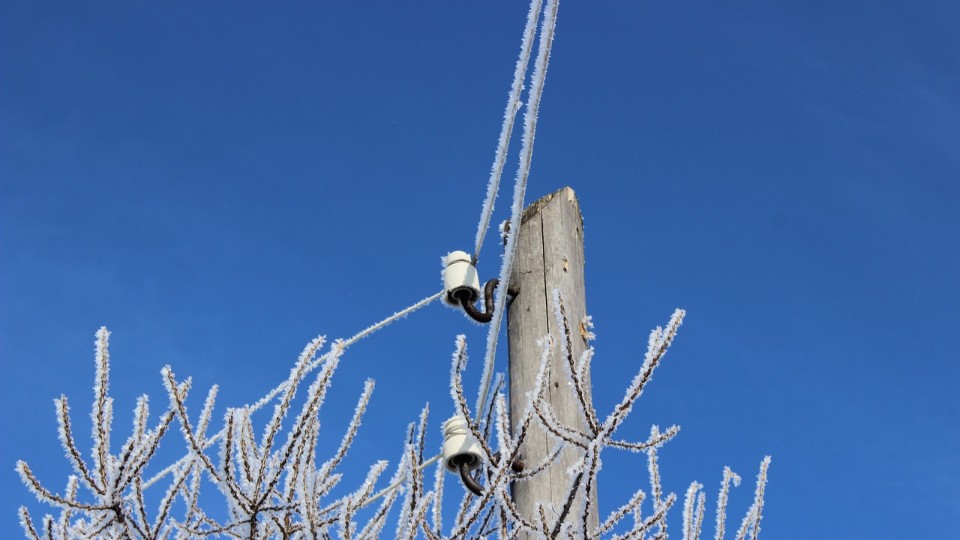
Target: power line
{"points": [[339, 345], [523, 173], [509, 119]]}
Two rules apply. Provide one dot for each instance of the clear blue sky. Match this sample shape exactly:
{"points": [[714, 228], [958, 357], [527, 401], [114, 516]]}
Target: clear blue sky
{"points": [[219, 182]]}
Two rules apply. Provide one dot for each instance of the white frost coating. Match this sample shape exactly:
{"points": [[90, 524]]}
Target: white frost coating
{"points": [[751, 521], [207, 412], [297, 373], [459, 364], [66, 441], [502, 427], [509, 118], [728, 476], [437, 511], [398, 483], [406, 466], [656, 489], [100, 414], [71, 495], [543, 369], [356, 499], [315, 398], [519, 189], [352, 429], [294, 464], [341, 344], [233, 504], [134, 446], [392, 318], [657, 345], [701, 504], [26, 525], [689, 502]]}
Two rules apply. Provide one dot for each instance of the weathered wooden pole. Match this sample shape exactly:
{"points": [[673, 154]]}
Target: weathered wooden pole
{"points": [[549, 255]]}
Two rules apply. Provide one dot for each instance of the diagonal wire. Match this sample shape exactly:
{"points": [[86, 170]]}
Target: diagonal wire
{"points": [[523, 173], [340, 346], [509, 119]]}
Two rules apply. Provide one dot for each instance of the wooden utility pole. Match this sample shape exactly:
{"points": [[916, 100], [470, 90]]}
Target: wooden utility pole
{"points": [[549, 255]]}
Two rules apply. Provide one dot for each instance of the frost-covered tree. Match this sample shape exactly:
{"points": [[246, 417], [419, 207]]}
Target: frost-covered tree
{"points": [[276, 484]]}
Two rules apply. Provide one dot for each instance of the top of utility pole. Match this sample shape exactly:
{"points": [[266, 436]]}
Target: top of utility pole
{"points": [[537, 206]]}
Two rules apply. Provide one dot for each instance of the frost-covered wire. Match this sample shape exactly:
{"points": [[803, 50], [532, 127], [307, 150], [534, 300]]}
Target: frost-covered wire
{"points": [[519, 189], [341, 345], [397, 483], [509, 118]]}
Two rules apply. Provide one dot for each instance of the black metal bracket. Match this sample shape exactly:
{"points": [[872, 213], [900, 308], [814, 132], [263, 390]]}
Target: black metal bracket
{"points": [[468, 481], [463, 467], [463, 296]]}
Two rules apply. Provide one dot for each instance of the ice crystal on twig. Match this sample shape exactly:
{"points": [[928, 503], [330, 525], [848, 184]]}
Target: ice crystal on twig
{"points": [[275, 484]]}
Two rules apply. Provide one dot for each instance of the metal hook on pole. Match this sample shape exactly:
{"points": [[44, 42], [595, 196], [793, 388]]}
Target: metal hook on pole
{"points": [[462, 285], [465, 298], [463, 467]]}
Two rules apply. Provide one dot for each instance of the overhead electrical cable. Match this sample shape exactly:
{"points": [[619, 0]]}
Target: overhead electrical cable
{"points": [[509, 119], [338, 347], [520, 186], [523, 171]]}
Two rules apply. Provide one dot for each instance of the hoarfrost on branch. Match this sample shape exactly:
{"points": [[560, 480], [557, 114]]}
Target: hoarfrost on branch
{"points": [[276, 485]]}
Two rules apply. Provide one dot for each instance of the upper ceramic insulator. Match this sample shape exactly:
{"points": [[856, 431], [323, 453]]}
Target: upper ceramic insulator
{"points": [[459, 274]]}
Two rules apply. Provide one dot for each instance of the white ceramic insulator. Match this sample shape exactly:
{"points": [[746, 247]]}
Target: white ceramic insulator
{"points": [[459, 274], [458, 441]]}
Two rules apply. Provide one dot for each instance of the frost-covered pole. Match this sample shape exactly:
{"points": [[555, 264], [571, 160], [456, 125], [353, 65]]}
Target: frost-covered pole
{"points": [[549, 256]]}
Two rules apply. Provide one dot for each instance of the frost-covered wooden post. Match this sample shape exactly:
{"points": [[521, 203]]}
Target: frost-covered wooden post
{"points": [[549, 255]]}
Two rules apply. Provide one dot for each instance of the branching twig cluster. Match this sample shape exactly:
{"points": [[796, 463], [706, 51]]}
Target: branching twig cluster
{"points": [[495, 511], [276, 486]]}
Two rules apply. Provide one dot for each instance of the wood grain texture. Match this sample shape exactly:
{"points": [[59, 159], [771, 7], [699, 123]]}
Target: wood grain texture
{"points": [[549, 256]]}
